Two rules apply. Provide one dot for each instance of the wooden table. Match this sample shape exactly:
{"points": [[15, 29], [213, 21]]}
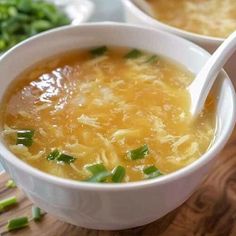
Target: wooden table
{"points": [[210, 211]]}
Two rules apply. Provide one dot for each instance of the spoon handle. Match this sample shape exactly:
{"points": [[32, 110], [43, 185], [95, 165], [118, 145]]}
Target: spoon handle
{"points": [[204, 80]]}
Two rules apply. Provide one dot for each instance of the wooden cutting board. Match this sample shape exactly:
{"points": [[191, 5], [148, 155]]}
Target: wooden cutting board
{"points": [[210, 211]]}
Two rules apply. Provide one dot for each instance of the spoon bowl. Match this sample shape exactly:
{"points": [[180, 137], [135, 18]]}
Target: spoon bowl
{"points": [[202, 84]]}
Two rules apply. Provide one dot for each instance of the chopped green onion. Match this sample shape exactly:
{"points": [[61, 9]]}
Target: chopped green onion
{"points": [[25, 137], [96, 168], [149, 170], [138, 153], [10, 184], [98, 51], [152, 172], [100, 177], [152, 59], [24, 141], [118, 174], [60, 157], [17, 223], [133, 54], [53, 155], [36, 213], [20, 19], [65, 158], [25, 133], [99, 173], [7, 202]]}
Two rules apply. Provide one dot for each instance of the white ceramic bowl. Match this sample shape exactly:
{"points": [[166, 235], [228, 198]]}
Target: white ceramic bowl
{"points": [[136, 16], [114, 206]]}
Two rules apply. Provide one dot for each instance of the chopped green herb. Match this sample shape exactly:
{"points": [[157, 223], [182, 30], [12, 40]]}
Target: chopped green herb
{"points": [[152, 172], [149, 170], [17, 223], [20, 19], [118, 174], [36, 213], [152, 59], [100, 177], [96, 168], [53, 155], [25, 133], [7, 202], [98, 51], [133, 54], [25, 141], [10, 184], [65, 158], [138, 153], [25, 137], [56, 155], [99, 173]]}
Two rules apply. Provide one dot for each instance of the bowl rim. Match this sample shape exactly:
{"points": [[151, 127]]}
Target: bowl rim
{"points": [[183, 33], [73, 184]]}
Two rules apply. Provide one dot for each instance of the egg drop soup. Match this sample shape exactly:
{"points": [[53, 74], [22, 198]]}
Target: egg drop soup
{"points": [[105, 115], [215, 18]]}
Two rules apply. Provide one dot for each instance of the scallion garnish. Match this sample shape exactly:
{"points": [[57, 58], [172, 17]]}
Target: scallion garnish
{"points": [[10, 184], [56, 155], [118, 174], [65, 158], [152, 172], [96, 52], [152, 59], [133, 54], [17, 223], [99, 173], [7, 202], [53, 155], [100, 177], [25, 137], [138, 153], [36, 213]]}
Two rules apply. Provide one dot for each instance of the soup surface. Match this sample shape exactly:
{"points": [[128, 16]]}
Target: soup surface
{"points": [[105, 115], [215, 18]]}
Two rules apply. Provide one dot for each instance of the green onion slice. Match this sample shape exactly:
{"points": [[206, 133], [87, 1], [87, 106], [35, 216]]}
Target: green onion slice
{"points": [[56, 155], [138, 153], [10, 184], [65, 158], [118, 174], [133, 54], [7, 202], [25, 137], [99, 51], [17, 223], [99, 173], [53, 155], [36, 213], [99, 178], [152, 172], [152, 59]]}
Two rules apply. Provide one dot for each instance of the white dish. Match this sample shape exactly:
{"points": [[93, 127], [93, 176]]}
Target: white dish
{"points": [[136, 16], [125, 205], [77, 10]]}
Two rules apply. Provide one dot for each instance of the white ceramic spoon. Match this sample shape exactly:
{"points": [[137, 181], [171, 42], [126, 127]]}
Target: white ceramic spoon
{"points": [[143, 5], [201, 85]]}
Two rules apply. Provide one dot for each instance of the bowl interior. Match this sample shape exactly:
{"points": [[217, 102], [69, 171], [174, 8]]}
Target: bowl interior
{"points": [[149, 20], [72, 37]]}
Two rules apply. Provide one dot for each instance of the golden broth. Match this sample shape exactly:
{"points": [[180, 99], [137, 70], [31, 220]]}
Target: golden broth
{"points": [[215, 18], [95, 108]]}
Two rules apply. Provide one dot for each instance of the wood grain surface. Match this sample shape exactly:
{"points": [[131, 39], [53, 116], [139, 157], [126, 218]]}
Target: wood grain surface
{"points": [[211, 210]]}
